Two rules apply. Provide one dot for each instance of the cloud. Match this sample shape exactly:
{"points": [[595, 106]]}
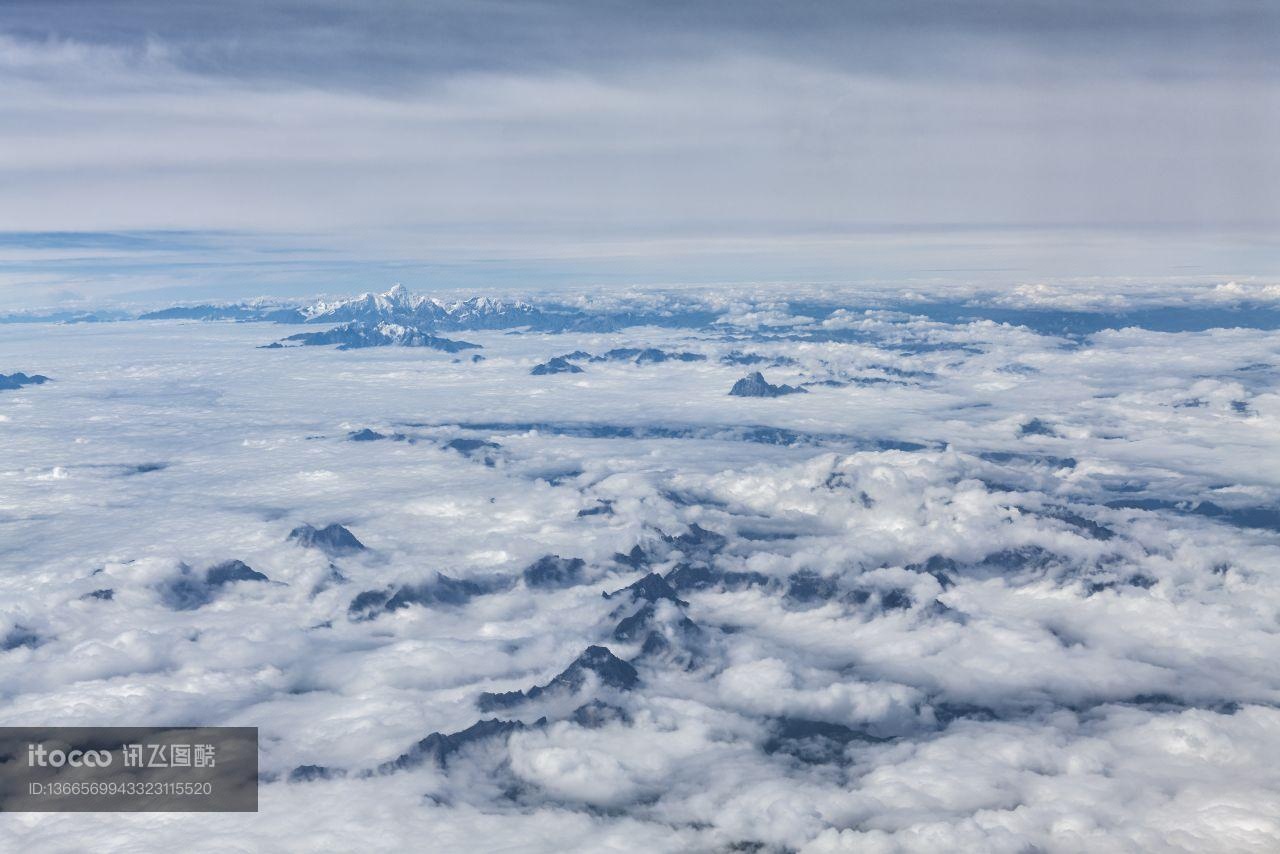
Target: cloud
{"points": [[999, 639]]}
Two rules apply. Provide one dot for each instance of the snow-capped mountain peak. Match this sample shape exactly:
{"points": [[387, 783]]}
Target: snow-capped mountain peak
{"points": [[399, 305], [397, 294]]}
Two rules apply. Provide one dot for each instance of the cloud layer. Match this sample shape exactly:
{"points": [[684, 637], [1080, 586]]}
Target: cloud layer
{"points": [[1045, 616]]}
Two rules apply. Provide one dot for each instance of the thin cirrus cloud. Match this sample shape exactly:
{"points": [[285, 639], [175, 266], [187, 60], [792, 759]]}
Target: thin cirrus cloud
{"points": [[556, 141]]}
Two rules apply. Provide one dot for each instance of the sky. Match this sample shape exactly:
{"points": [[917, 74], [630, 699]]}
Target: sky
{"points": [[158, 151]]}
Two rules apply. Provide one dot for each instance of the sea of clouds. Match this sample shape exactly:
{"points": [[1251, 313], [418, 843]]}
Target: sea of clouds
{"points": [[980, 587]]}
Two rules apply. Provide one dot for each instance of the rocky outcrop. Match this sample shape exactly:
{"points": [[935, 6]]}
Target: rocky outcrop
{"points": [[755, 385]]}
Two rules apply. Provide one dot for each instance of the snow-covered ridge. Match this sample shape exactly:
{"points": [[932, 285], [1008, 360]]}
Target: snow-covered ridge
{"points": [[796, 313], [421, 313], [398, 305]]}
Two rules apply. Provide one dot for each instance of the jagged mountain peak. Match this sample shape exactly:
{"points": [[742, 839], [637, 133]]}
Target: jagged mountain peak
{"points": [[399, 305]]}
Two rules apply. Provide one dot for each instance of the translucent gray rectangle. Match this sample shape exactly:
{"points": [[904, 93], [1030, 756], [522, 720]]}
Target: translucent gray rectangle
{"points": [[128, 769]]}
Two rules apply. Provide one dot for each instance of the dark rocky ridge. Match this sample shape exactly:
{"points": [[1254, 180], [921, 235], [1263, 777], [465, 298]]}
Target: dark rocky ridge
{"points": [[611, 671], [332, 539], [441, 590], [367, 435], [755, 385], [555, 365], [651, 588], [187, 590], [356, 335], [19, 637], [552, 571], [19, 379], [439, 747]]}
